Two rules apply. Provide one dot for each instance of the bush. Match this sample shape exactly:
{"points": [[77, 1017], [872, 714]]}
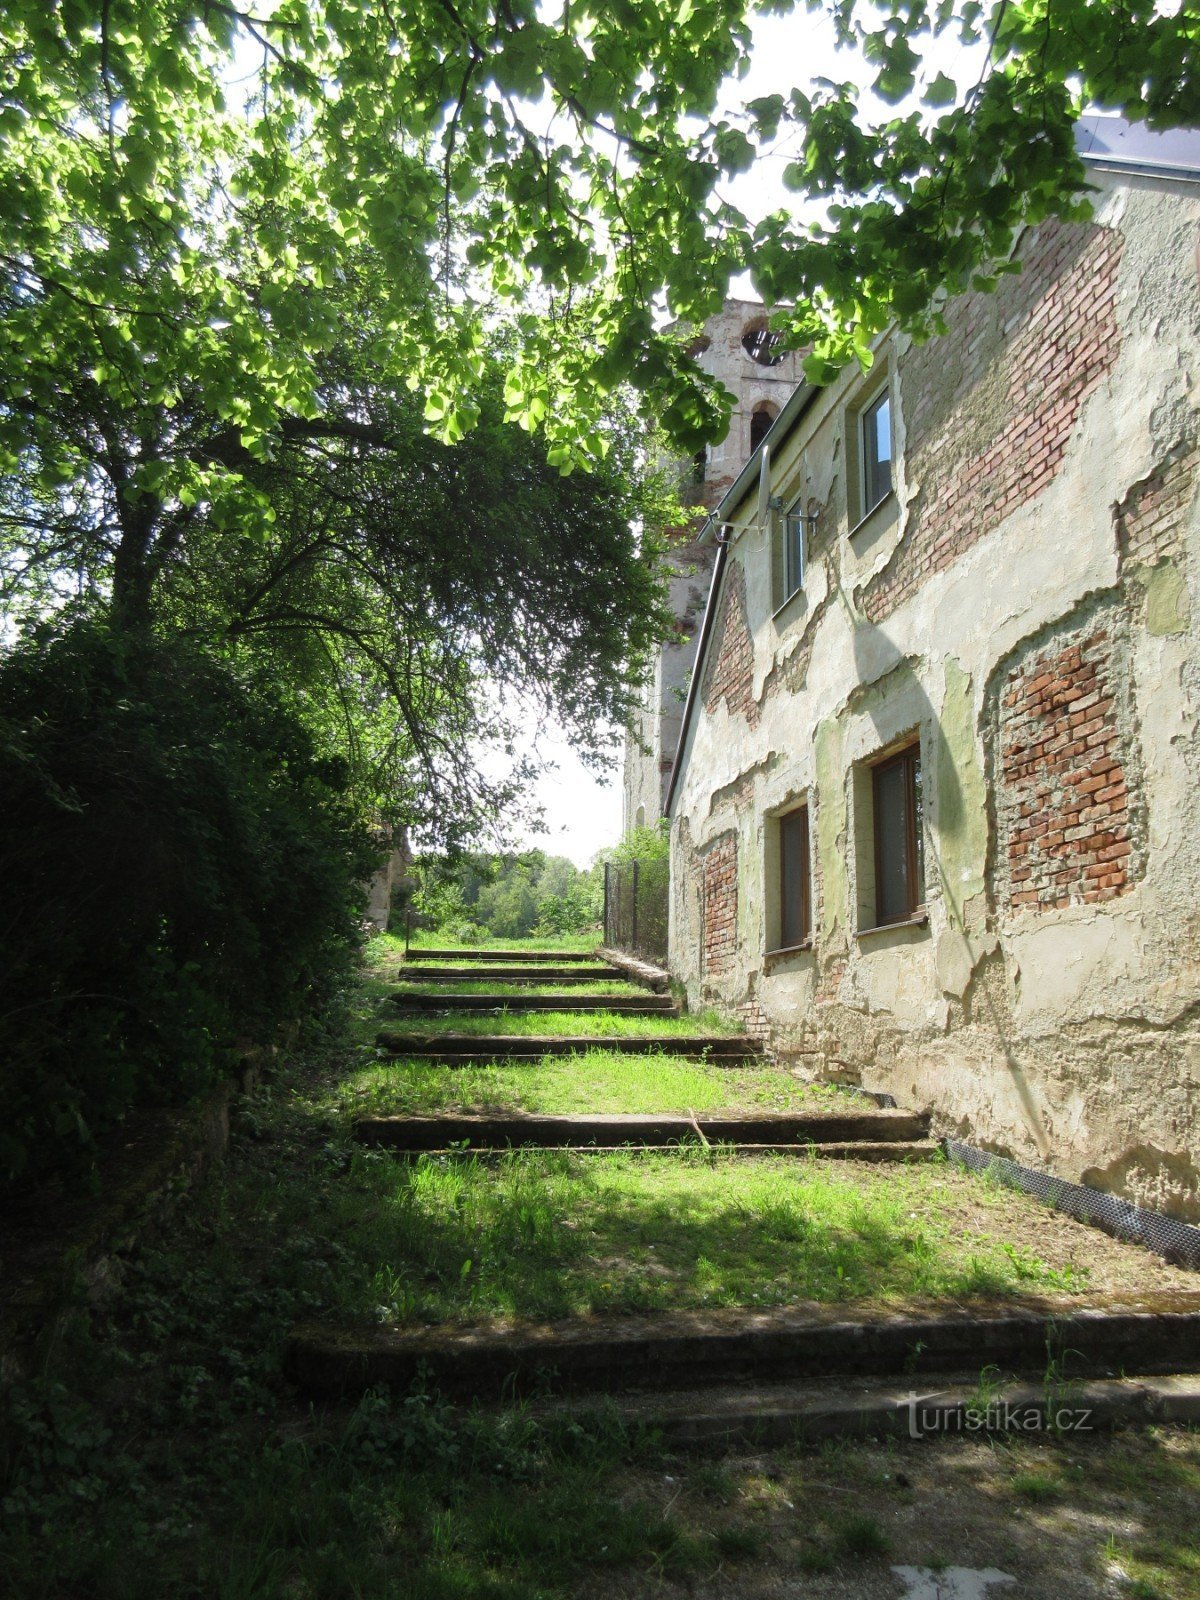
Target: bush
{"points": [[180, 872]]}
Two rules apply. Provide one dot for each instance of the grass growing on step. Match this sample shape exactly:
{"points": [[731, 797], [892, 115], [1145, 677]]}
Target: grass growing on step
{"points": [[548, 1234], [597, 988], [592, 1024], [599, 1080]]}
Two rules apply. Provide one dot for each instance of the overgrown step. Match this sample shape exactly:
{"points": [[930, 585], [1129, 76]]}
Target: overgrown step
{"points": [[550, 958], [625, 1004], [591, 974], [789, 1131], [1157, 1333], [766, 1414], [454, 1049], [897, 1152]]}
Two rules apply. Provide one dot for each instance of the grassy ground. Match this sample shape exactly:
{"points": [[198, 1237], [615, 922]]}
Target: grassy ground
{"points": [[599, 987], [593, 1024], [597, 1080], [163, 1454], [159, 1452], [546, 1234]]}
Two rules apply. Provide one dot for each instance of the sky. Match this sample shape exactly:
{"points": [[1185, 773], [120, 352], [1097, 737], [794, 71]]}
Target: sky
{"points": [[582, 811]]}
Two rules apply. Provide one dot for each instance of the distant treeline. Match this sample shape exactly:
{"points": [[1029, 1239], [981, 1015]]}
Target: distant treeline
{"points": [[474, 895]]}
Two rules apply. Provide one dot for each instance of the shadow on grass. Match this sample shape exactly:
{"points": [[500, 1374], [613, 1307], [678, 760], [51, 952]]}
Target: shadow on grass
{"points": [[546, 1235]]}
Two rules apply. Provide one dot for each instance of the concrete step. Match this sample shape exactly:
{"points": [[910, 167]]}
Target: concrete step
{"points": [[592, 974], [624, 1004], [779, 1130], [1154, 1333], [550, 958], [762, 1415], [456, 1048]]}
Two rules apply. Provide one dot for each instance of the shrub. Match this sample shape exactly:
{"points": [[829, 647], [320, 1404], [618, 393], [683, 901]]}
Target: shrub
{"points": [[180, 869]]}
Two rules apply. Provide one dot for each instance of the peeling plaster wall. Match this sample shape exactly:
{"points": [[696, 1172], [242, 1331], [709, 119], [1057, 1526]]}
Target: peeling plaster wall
{"points": [[1040, 552]]}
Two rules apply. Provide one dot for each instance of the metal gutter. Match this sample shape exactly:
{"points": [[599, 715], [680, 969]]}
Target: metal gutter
{"points": [[796, 405], [1114, 145]]}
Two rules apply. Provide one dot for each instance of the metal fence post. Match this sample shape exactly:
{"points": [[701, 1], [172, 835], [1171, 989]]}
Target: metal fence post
{"points": [[633, 939]]}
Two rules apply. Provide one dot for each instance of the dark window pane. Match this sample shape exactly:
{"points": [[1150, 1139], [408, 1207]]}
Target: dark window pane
{"points": [[793, 877], [794, 550], [877, 450], [891, 838]]}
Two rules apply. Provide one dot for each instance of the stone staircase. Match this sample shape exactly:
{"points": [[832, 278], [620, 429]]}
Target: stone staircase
{"points": [[726, 1374]]}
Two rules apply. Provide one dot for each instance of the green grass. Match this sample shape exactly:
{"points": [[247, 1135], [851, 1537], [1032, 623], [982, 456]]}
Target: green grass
{"points": [[598, 1080], [549, 1234], [158, 1450], [598, 988], [593, 1024]]}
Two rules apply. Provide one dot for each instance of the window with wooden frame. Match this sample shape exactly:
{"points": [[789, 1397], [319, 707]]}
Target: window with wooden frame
{"points": [[898, 814], [795, 879]]}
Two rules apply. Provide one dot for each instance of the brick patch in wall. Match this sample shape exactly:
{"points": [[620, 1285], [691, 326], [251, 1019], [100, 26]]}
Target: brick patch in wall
{"points": [[719, 891], [729, 670], [1151, 520], [1023, 362], [1062, 776], [754, 1020]]}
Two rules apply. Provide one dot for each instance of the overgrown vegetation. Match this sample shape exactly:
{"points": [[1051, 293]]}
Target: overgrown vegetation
{"points": [[180, 865]]}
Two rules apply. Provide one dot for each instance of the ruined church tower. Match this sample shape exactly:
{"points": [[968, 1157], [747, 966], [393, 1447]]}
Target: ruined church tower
{"points": [[737, 348]]}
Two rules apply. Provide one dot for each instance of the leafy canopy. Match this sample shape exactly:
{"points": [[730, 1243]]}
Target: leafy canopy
{"points": [[566, 159]]}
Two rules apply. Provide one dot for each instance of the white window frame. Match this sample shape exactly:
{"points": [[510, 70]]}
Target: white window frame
{"points": [[795, 549]]}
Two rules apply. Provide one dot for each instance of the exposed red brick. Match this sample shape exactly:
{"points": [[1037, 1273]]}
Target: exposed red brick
{"points": [[1024, 361], [729, 670], [1151, 520], [719, 891], [1064, 826]]}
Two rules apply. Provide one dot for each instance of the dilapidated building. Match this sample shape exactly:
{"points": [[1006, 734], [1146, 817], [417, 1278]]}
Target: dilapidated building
{"points": [[738, 349], [934, 813]]}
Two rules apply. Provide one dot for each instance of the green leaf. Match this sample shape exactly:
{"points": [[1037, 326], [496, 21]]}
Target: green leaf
{"points": [[943, 91]]}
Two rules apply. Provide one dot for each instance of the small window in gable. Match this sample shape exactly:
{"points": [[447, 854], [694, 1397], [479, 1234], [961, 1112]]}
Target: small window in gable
{"points": [[699, 464], [795, 525], [875, 423]]}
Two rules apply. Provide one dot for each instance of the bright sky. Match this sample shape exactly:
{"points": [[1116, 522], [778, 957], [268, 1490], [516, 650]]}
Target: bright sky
{"points": [[583, 814]]}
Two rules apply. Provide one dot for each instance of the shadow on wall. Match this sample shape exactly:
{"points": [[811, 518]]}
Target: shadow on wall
{"points": [[897, 704]]}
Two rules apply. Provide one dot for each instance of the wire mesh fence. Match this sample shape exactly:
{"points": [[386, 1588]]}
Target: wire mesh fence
{"points": [[635, 907]]}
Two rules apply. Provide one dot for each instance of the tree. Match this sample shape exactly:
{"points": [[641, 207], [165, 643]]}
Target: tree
{"points": [[565, 159], [381, 571]]}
